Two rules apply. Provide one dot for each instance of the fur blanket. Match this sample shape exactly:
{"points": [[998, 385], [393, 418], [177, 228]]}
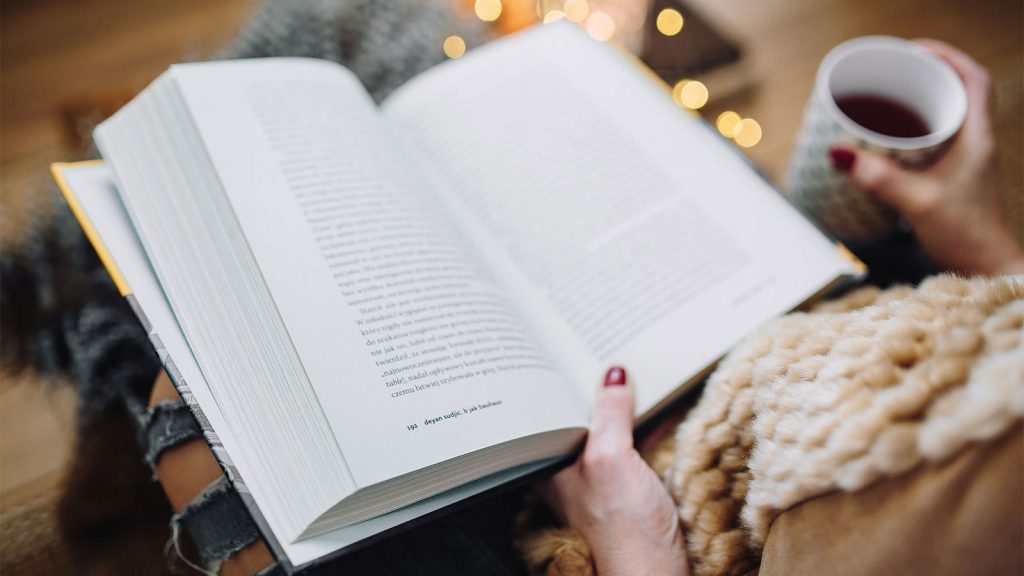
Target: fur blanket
{"points": [[859, 389]]}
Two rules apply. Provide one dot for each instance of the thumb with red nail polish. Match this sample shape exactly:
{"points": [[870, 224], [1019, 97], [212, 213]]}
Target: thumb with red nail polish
{"points": [[616, 376], [613, 498]]}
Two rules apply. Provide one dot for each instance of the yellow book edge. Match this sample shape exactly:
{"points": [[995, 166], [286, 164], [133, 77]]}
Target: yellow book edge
{"points": [[857, 264], [58, 169]]}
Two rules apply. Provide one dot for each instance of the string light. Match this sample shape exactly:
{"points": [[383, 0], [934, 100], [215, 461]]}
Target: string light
{"points": [[576, 10], [487, 10], [669, 22], [600, 26], [690, 94], [727, 122], [553, 16], [454, 46], [677, 90], [747, 133]]}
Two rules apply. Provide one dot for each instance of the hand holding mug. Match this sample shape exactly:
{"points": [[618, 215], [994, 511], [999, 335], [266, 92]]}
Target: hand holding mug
{"points": [[953, 206], [888, 95]]}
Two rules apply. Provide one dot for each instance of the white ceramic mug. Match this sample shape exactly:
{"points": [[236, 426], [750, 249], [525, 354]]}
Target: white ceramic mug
{"points": [[881, 66]]}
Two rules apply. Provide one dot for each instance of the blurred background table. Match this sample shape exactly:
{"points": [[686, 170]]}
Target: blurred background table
{"points": [[61, 59]]}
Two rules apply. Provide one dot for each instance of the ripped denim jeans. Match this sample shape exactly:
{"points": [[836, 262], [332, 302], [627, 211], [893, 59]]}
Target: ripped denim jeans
{"points": [[474, 540]]}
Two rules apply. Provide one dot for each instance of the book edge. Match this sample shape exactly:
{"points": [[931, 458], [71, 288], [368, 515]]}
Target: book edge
{"points": [[57, 169], [209, 435], [838, 283]]}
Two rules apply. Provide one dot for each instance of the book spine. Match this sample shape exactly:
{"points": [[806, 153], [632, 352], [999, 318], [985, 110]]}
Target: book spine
{"points": [[209, 434]]}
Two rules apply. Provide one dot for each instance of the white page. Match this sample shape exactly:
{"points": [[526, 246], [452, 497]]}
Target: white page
{"points": [[637, 235], [305, 161], [94, 187]]}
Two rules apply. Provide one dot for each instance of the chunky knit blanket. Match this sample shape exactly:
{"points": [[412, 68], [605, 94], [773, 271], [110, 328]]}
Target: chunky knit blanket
{"points": [[856, 390]]}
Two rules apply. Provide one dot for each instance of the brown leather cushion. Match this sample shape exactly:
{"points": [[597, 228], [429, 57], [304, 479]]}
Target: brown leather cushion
{"points": [[964, 516]]}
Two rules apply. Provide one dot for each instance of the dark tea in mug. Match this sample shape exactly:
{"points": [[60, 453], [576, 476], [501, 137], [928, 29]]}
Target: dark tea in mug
{"points": [[883, 115], [886, 95]]}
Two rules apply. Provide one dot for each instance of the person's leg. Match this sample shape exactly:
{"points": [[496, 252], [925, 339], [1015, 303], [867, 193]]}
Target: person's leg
{"points": [[185, 470], [475, 540]]}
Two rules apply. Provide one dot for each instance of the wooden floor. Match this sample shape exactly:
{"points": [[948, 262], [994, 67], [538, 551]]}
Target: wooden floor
{"points": [[53, 52]]}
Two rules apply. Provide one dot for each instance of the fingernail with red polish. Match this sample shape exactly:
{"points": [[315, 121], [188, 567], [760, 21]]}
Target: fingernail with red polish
{"points": [[616, 376], [842, 158]]}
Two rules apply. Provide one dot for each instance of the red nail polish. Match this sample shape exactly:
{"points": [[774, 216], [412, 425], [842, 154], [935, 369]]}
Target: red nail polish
{"points": [[842, 158], [616, 376]]}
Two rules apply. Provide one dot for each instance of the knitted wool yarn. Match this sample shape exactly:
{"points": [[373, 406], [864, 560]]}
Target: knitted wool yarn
{"points": [[856, 390], [841, 397]]}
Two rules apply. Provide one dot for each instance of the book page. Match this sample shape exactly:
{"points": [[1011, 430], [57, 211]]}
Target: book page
{"points": [[636, 234], [416, 353]]}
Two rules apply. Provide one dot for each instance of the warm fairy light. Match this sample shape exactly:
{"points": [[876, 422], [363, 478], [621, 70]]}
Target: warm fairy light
{"points": [[727, 122], [690, 94], [677, 90], [454, 46], [600, 26], [669, 22], [553, 16], [487, 10], [576, 10], [747, 132]]}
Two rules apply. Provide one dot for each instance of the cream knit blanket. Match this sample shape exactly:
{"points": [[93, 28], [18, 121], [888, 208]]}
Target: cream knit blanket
{"points": [[859, 389], [862, 388]]}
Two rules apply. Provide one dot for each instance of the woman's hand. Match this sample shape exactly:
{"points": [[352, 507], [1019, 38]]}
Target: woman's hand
{"points": [[953, 205], [614, 499]]}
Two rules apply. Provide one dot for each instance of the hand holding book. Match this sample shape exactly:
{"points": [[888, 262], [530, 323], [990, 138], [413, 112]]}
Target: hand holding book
{"points": [[613, 498]]}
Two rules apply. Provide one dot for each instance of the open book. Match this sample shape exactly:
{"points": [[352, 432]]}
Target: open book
{"points": [[378, 311]]}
